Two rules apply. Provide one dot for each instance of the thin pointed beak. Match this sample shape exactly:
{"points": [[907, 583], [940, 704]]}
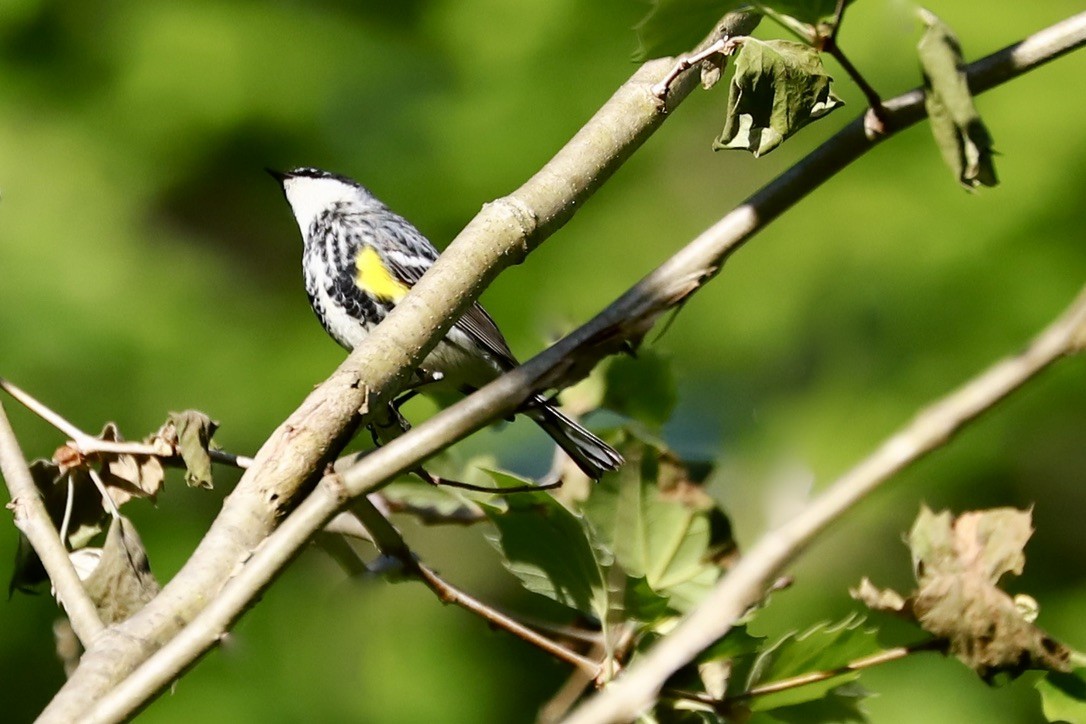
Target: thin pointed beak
{"points": [[279, 176]]}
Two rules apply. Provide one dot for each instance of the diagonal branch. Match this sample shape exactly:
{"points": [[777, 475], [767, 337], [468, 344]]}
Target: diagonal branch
{"points": [[745, 583], [33, 520]]}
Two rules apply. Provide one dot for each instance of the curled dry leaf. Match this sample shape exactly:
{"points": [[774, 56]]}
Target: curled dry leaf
{"points": [[958, 563], [190, 433], [961, 135], [122, 582], [125, 476], [74, 501], [778, 88]]}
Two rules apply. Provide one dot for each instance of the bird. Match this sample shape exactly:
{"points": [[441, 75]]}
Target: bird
{"points": [[360, 259]]}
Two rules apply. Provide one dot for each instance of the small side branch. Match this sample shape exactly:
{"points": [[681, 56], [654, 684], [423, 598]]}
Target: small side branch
{"points": [[33, 520], [391, 543], [727, 704], [89, 444]]}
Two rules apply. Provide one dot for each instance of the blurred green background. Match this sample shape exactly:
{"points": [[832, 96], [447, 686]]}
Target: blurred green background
{"points": [[147, 264]]}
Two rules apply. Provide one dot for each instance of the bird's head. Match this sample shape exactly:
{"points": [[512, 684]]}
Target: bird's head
{"points": [[311, 192]]}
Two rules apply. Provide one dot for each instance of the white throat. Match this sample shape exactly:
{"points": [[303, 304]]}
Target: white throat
{"points": [[311, 197]]}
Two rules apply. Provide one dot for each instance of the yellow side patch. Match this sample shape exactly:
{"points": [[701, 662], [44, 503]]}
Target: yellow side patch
{"points": [[375, 278]]}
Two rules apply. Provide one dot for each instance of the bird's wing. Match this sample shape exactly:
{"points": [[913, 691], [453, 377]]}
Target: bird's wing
{"points": [[475, 322]]}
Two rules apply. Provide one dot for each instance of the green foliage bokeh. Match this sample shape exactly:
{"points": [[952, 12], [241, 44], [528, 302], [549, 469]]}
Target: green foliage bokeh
{"points": [[147, 264]]}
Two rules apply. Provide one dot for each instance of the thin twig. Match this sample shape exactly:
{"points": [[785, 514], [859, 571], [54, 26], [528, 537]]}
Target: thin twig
{"points": [[686, 62], [391, 543], [876, 124], [33, 520], [89, 444], [744, 584], [728, 703], [41, 410], [874, 100], [721, 40], [838, 16]]}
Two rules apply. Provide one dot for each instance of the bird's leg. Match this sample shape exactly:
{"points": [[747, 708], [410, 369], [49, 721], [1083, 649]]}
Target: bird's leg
{"points": [[394, 425]]}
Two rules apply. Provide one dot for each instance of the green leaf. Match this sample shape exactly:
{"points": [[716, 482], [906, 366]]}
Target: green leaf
{"points": [[810, 12], [430, 504], [778, 88], [661, 526], [672, 27], [959, 132], [642, 388], [546, 546], [1063, 696], [823, 647], [738, 641], [641, 603], [842, 705]]}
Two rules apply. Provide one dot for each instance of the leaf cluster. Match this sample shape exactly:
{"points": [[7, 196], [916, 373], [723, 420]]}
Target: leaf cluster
{"points": [[778, 86], [85, 484]]}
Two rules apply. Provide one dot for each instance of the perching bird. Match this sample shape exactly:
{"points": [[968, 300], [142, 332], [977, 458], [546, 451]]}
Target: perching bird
{"points": [[361, 258]]}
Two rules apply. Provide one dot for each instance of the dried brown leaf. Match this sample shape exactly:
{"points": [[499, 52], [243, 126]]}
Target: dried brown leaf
{"points": [[122, 582], [958, 564], [886, 600], [189, 433]]}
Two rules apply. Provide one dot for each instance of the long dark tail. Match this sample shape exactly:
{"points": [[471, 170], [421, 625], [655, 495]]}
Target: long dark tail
{"points": [[592, 455]]}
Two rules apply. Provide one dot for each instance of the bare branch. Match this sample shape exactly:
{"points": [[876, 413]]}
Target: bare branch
{"points": [[391, 543], [89, 444], [33, 520]]}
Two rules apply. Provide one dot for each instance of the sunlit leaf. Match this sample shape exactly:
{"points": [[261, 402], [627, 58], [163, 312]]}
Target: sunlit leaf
{"points": [[823, 647], [660, 525], [778, 88], [1063, 696], [641, 603], [961, 135]]}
